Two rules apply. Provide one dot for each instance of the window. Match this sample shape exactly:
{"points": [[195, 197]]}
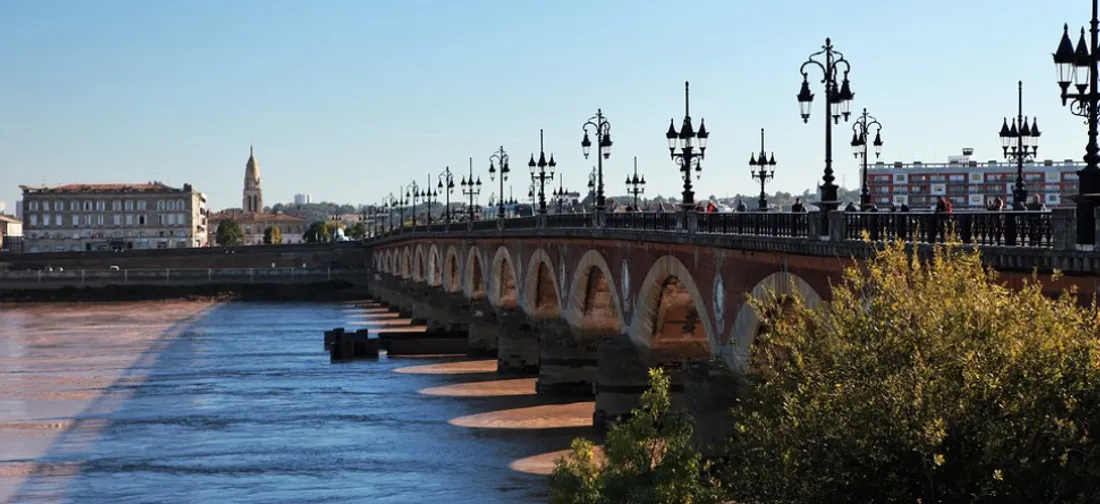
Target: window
{"points": [[33, 206], [46, 205], [141, 220], [101, 205], [87, 206], [118, 219], [74, 205], [59, 219], [141, 205], [181, 219], [33, 220], [116, 205], [160, 205], [99, 220], [45, 218], [129, 205], [88, 220], [129, 220], [76, 220], [171, 219]]}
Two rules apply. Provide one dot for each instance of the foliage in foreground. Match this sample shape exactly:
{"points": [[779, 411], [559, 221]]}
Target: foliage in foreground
{"points": [[273, 236], [648, 459], [921, 382]]}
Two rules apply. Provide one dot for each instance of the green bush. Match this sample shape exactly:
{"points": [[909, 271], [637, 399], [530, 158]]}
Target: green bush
{"points": [[920, 381], [648, 459]]}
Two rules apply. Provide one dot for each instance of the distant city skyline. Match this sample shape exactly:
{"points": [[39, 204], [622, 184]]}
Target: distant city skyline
{"points": [[349, 100]]}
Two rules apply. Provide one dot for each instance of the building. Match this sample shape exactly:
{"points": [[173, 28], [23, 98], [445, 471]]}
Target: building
{"points": [[968, 183], [77, 217], [11, 234], [302, 199], [19, 209], [253, 219]]}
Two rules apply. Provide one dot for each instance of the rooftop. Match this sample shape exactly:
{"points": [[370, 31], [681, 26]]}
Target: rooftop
{"points": [[151, 187], [10, 219], [240, 216], [965, 161]]}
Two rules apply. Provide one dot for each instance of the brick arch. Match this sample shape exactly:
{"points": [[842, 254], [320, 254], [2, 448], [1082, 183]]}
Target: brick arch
{"points": [[503, 292], [418, 264], [594, 301], [541, 293], [475, 285], [747, 325], [392, 258], [434, 270], [452, 272], [406, 262], [671, 318]]}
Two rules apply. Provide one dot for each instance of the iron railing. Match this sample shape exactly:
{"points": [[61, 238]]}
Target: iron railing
{"points": [[1011, 229], [653, 221], [778, 224]]}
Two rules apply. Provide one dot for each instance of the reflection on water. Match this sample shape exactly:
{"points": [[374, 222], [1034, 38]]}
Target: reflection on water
{"points": [[188, 402]]}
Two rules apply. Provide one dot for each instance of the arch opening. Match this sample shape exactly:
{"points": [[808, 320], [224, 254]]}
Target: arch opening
{"points": [[435, 268], [546, 295], [477, 281], [507, 295], [678, 330], [598, 310], [452, 282], [406, 263]]}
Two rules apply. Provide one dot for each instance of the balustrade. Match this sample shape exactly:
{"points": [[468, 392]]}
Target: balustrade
{"points": [[1011, 229]]}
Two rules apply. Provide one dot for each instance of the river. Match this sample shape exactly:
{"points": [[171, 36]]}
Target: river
{"points": [[189, 402]]}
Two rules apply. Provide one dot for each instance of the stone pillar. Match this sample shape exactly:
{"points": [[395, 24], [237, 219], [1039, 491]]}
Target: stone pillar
{"points": [[518, 346], [484, 331], [710, 390], [837, 228], [622, 375], [1064, 228], [813, 225], [567, 359]]}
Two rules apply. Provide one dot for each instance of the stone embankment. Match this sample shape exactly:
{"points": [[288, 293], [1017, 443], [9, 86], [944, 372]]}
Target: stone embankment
{"points": [[335, 290]]}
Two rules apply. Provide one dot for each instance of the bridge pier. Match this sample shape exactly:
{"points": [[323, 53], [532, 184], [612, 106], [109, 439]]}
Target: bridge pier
{"points": [[710, 390], [567, 359], [481, 323], [622, 375], [440, 311], [518, 343]]}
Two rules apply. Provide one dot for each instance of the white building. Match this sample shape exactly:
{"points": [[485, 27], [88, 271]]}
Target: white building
{"points": [[302, 199], [968, 183]]}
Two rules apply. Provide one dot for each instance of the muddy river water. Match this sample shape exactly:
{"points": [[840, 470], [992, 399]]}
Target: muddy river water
{"points": [[193, 402]]}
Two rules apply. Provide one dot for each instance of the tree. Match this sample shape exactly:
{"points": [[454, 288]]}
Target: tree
{"points": [[317, 232], [229, 233], [648, 459], [921, 380], [358, 230], [273, 236]]}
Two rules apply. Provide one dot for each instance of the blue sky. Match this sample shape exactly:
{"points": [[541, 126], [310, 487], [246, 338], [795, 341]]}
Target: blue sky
{"points": [[350, 99]]}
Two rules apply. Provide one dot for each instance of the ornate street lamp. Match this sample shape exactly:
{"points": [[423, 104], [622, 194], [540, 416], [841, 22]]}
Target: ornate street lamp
{"points": [[498, 161], [762, 169], [688, 158], [602, 128], [414, 193], [446, 186], [428, 194], [402, 202], [471, 189], [541, 172], [838, 100], [1020, 144], [635, 186], [1079, 67], [390, 205], [861, 129], [560, 194]]}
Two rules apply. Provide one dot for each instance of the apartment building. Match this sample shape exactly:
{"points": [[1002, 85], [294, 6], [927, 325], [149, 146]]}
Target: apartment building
{"points": [[11, 234], [968, 183], [82, 217]]}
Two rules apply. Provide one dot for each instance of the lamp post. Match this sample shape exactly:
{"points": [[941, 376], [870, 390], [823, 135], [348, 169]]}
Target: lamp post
{"points": [[471, 189], [635, 186], [688, 157], [541, 172], [559, 194], [762, 169], [592, 185], [838, 100], [498, 162], [414, 192], [602, 128], [1020, 143], [446, 186], [861, 129], [428, 194], [402, 202], [1079, 66]]}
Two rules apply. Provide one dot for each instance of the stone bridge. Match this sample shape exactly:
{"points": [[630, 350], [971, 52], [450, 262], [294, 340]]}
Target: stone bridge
{"points": [[591, 308]]}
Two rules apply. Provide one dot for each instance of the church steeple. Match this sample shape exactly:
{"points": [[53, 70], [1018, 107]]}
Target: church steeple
{"points": [[252, 198]]}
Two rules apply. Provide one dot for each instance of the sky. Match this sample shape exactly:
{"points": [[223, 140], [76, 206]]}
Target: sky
{"points": [[350, 100]]}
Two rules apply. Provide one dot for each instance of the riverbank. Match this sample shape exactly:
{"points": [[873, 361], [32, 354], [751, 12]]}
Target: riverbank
{"points": [[321, 291]]}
